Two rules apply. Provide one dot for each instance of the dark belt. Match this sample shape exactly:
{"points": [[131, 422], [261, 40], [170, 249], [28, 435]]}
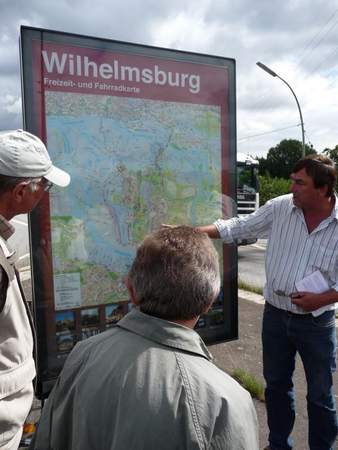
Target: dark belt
{"points": [[291, 314], [298, 316]]}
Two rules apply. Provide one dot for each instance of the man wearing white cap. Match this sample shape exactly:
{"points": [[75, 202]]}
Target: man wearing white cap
{"points": [[26, 173]]}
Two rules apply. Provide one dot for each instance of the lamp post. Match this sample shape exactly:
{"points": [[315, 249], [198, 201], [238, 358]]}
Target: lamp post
{"points": [[273, 74]]}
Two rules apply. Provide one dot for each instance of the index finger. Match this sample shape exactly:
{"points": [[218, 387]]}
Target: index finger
{"points": [[166, 225]]}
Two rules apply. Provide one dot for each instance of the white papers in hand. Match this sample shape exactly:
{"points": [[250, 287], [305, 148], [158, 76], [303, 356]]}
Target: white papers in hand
{"points": [[317, 284]]}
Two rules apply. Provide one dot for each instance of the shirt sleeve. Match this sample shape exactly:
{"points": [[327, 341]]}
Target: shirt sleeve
{"points": [[236, 425], [335, 286], [255, 225]]}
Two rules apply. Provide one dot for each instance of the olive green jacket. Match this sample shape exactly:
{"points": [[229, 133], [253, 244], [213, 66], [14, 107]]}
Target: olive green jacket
{"points": [[146, 384]]}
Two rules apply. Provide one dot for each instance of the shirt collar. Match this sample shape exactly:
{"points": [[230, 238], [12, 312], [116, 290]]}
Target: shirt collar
{"points": [[6, 228], [335, 208], [164, 332]]}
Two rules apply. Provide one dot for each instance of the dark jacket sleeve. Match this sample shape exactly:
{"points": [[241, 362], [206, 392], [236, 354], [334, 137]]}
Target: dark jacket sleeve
{"points": [[3, 288]]}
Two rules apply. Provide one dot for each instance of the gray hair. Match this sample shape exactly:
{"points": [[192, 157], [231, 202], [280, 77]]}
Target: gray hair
{"points": [[175, 273]]}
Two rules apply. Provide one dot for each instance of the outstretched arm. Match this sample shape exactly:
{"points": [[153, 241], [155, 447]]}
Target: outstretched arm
{"points": [[210, 230]]}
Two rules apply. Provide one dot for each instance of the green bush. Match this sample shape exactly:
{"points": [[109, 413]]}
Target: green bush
{"points": [[272, 187], [250, 383], [249, 287]]}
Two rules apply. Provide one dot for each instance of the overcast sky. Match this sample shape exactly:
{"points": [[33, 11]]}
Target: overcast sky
{"points": [[298, 39]]}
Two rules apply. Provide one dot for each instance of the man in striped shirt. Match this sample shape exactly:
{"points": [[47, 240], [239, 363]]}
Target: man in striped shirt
{"points": [[302, 232]]}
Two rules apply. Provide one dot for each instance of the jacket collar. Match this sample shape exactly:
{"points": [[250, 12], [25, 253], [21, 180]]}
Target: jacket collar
{"points": [[164, 333], [6, 228]]}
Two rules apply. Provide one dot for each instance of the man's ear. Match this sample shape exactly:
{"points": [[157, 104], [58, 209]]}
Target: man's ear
{"points": [[131, 290], [18, 192], [208, 307], [322, 190]]}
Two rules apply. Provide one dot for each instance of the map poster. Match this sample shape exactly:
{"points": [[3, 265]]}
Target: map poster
{"points": [[148, 136]]}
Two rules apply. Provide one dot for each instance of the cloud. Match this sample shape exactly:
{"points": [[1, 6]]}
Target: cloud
{"points": [[296, 38], [10, 112]]}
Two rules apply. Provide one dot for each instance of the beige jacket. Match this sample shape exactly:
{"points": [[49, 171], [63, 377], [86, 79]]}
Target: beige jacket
{"points": [[17, 368]]}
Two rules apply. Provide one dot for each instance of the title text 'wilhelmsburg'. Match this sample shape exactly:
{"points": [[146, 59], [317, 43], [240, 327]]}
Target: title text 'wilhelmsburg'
{"points": [[77, 65]]}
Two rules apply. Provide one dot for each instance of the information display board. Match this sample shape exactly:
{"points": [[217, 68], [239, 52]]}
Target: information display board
{"points": [[149, 137]]}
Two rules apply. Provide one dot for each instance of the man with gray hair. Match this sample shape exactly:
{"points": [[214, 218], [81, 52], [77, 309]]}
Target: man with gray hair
{"points": [[26, 173], [149, 383]]}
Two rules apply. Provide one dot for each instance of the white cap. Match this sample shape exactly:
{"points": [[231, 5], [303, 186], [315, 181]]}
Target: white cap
{"points": [[24, 155]]}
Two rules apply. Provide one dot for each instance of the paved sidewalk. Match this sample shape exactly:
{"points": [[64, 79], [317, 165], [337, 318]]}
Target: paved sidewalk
{"points": [[246, 353]]}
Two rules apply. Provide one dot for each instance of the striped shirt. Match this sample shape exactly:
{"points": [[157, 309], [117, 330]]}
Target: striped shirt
{"points": [[292, 252]]}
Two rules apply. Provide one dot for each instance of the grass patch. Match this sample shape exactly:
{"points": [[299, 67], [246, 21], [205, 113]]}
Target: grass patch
{"points": [[249, 287], [250, 383]]}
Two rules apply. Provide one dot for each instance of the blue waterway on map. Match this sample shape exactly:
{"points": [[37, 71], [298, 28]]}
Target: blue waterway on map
{"points": [[99, 151]]}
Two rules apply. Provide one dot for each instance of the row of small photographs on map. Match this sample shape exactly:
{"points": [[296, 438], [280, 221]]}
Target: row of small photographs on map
{"points": [[76, 325]]}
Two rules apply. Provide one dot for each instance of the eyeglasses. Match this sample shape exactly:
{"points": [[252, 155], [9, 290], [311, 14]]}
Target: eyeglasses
{"points": [[45, 184]]}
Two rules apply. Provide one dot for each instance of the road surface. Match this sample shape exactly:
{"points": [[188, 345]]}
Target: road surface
{"points": [[251, 268]]}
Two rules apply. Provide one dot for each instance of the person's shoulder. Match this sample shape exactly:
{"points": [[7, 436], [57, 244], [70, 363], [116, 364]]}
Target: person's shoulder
{"points": [[283, 202], [228, 387], [218, 397], [83, 349], [285, 199], [205, 376], [98, 340]]}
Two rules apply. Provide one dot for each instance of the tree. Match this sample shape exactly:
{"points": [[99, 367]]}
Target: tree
{"points": [[332, 153], [271, 188], [262, 168], [281, 159]]}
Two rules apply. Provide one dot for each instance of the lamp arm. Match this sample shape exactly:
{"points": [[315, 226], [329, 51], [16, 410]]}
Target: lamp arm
{"points": [[300, 114]]}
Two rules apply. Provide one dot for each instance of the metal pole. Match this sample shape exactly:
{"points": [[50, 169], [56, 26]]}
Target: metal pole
{"points": [[274, 74], [300, 114]]}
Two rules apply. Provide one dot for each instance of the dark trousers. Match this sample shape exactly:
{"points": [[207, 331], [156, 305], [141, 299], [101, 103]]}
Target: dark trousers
{"points": [[314, 338]]}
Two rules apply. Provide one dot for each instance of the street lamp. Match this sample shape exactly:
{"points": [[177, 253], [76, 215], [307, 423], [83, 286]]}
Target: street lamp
{"points": [[273, 74]]}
